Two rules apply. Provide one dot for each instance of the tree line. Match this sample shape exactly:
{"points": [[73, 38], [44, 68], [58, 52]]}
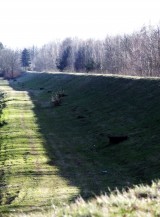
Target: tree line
{"points": [[131, 54]]}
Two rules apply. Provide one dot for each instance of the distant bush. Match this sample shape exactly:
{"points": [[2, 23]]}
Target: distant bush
{"points": [[56, 98]]}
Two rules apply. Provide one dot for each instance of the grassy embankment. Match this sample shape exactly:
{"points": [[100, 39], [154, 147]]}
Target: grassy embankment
{"points": [[51, 155]]}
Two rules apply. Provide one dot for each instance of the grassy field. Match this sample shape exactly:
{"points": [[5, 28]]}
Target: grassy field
{"points": [[51, 155]]}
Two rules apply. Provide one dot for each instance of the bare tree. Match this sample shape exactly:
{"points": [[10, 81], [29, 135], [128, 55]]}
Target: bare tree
{"points": [[10, 63]]}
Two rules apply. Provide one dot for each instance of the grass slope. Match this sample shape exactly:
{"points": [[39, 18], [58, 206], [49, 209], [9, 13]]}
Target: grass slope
{"points": [[51, 155]]}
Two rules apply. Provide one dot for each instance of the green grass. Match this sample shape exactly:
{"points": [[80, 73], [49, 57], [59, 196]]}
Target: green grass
{"points": [[51, 155]]}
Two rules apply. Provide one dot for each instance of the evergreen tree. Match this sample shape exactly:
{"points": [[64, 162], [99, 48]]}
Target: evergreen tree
{"points": [[62, 63], [1, 46], [90, 65], [25, 59], [79, 63]]}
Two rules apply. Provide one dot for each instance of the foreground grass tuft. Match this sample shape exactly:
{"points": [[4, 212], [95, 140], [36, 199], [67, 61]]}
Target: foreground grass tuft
{"points": [[142, 201]]}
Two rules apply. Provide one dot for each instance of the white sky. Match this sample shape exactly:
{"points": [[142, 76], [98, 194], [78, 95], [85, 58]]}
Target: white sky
{"points": [[25, 23]]}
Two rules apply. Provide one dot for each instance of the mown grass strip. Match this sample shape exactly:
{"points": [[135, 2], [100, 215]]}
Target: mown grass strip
{"points": [[28, 182]]}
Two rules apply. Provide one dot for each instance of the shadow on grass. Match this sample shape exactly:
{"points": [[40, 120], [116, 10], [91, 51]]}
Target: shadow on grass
{"points": [[109, 105]]}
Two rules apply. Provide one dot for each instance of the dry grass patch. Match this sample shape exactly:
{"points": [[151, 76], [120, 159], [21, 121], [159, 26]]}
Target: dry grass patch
{"points": [[140, 201]]}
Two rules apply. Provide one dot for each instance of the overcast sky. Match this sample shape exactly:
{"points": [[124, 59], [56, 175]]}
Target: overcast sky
{"points": [[25, 23]]}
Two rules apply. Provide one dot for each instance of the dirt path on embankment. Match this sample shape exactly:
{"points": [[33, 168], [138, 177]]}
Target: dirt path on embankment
{"points": [[27, 181]]}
